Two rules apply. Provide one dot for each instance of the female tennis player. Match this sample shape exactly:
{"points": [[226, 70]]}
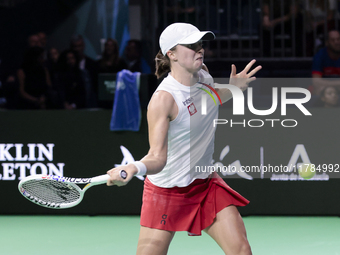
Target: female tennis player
{"points": [[176, 196]]}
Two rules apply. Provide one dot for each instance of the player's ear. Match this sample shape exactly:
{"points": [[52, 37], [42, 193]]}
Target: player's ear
{"points": [[172, 55]]}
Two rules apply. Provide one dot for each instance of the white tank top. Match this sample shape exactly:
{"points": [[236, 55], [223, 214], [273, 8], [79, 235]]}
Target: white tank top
{"points": [[190, 135]]}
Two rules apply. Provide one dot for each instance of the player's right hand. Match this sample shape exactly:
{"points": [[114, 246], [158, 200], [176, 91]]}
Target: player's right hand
{"points": [[116, 178]]}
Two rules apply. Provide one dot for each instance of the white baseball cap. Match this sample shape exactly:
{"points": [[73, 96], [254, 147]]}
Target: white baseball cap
{"points": [[182, 33]]}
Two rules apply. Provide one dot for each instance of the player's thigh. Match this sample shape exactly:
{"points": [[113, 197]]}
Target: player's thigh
{"points": [[229, 232], [153, 241]]}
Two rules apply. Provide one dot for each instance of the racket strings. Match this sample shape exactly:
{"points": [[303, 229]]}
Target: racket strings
{"points": [[51, 191]]}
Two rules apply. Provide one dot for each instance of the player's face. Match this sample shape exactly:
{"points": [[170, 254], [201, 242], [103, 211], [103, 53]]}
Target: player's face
{"points": [[330, 97], [190, 56], [334, 41]]}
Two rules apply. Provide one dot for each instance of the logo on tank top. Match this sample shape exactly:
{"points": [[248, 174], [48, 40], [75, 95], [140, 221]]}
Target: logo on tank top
{"points": [[188, 101], [209, 92], [192, 109]]}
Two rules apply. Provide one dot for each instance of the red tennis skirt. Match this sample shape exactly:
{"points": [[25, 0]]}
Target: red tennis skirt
{"points": [[192, 208]]}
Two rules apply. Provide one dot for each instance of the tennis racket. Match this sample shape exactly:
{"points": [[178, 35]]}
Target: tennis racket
{"points": [[59, 192]]}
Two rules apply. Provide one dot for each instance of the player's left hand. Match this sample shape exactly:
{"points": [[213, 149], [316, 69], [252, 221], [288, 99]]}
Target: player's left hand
{"points": [[242, 79]]}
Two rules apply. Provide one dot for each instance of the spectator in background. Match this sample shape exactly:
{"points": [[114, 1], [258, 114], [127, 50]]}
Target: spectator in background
{"points": [[33, 41], [43, 43], [180, 10], [134, 59], [326, 64], [9, 87], [110, 61], [291, 16], [52, 62], [34, 81], [329, 97], [88, 69], [320, 14], [3, 100], [43, 39], [69, 80]]}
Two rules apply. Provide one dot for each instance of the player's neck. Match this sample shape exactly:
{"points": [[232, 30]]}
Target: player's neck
{"points": [[184, 77]]}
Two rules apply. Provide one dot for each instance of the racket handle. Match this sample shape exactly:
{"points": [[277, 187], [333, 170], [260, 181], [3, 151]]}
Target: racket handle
{"points": [[100, 179]]}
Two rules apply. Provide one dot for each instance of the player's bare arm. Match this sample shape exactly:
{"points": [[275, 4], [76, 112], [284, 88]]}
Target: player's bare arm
{"points": [[162, 109]]}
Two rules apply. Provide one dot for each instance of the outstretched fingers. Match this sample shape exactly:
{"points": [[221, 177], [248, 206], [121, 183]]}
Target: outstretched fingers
{"points": [[243, 78], [250, 64], [233, 70], [254, 71], [249, 80]]}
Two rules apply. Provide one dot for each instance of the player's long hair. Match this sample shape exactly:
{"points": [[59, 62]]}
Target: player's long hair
{"points": [[163, 65]]}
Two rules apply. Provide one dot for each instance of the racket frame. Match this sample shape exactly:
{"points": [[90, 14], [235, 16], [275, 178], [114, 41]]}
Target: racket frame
{"points": [[90, 182]]}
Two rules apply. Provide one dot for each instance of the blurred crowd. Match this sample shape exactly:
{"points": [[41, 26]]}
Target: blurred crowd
{"points": [[51, 79], [304, 21], [297, 25], [285, 28]]}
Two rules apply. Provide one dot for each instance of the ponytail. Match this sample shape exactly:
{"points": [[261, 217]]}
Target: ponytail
{"points": [[162, 64]]}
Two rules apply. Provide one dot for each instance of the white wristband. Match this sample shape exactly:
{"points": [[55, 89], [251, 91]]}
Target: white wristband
{"points": [[141, 168]]}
